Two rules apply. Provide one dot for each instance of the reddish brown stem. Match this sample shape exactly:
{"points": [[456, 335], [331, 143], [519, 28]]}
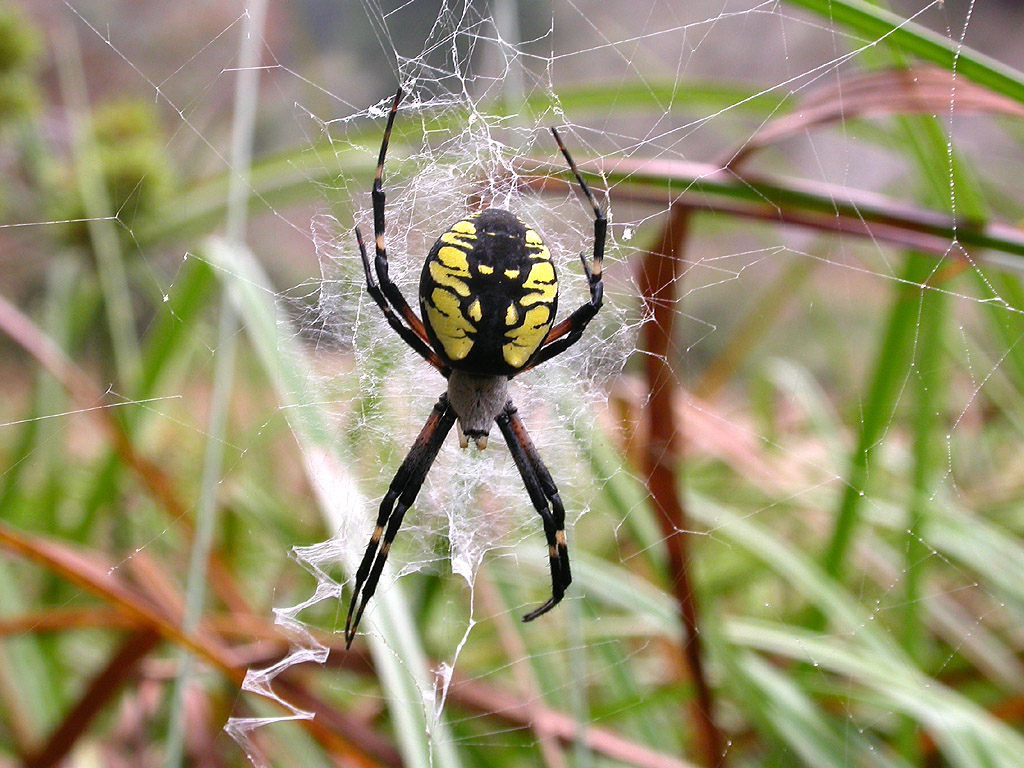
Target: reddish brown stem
{"points": [[660, 272], [101, 690]]}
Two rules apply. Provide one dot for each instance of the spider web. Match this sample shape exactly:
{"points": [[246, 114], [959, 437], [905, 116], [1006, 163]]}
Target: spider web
{"points": [[466, 151], [768, 453]]}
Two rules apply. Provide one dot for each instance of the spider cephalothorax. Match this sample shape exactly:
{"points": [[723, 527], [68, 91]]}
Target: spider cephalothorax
{"points": [[488, 295]]}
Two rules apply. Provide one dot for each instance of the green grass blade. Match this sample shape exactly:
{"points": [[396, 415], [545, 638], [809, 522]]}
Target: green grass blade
{"points": [[172, 333], [623, 493], [967, 735], [874, 24], [174, 325], [992, 552], [927, 389], [70, 305], [102, 230], [207, 509], [883, 389], [794, 718], [861, 652], [29, 671]]}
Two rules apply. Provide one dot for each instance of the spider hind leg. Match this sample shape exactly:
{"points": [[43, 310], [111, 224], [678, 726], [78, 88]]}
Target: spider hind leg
{"points": [[400, 496], [544, 496]]}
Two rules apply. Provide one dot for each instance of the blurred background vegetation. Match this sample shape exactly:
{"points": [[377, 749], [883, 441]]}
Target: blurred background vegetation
{"points": [[803, 537]]}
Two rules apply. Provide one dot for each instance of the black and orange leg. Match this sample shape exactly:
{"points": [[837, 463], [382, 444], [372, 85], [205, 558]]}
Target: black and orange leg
{"points": [[566, 333], [407, 334], [400, 496], [390, 290], [544, 496]]}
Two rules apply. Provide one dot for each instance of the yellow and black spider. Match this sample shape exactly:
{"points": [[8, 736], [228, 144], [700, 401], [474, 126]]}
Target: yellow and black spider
{"points": [[488, 294]]}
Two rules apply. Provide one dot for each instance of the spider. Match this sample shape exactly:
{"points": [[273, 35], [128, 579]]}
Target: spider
{"points": [[488, 294]]}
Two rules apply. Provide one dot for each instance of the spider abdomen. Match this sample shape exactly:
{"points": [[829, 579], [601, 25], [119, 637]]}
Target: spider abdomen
{"points": [[488, 294]]}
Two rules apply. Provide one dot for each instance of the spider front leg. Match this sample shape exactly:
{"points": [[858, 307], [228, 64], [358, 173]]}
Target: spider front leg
{"points": [[400, 496], [390, 290], [408, 336], [568, 332], [541, 488]]}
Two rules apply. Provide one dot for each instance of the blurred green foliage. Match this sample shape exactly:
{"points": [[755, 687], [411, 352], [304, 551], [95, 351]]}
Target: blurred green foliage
{"points": [[852, 473], [129, 147], [20, 48]]}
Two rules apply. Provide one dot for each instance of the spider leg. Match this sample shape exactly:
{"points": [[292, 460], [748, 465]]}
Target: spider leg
{"points": [[542, 489], [408, 336], [390, 290], [568, 332], [400, 496]]}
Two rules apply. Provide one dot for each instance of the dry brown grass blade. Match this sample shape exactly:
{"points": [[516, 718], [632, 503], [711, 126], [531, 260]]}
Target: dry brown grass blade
{"points": [[919, 89], [92, 574], [342, 726], [660, 271], [161, 589], [517, 658], [63, 619], [104, 686], [269, 645], [876, 231], [243, 627], [517, 711], [925, 90], [482, 699], [712, 188]]}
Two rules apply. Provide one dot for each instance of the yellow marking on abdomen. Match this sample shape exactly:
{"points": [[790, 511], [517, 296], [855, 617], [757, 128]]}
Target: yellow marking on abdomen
{"points": [[454, 259], [541, 283], [538, 252], [485, 270], [451, 265], [474, 311], [464, 227], [511, 274], [511, 316], [525, 338], [459, 241], [444, 315], [535, 246]]}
